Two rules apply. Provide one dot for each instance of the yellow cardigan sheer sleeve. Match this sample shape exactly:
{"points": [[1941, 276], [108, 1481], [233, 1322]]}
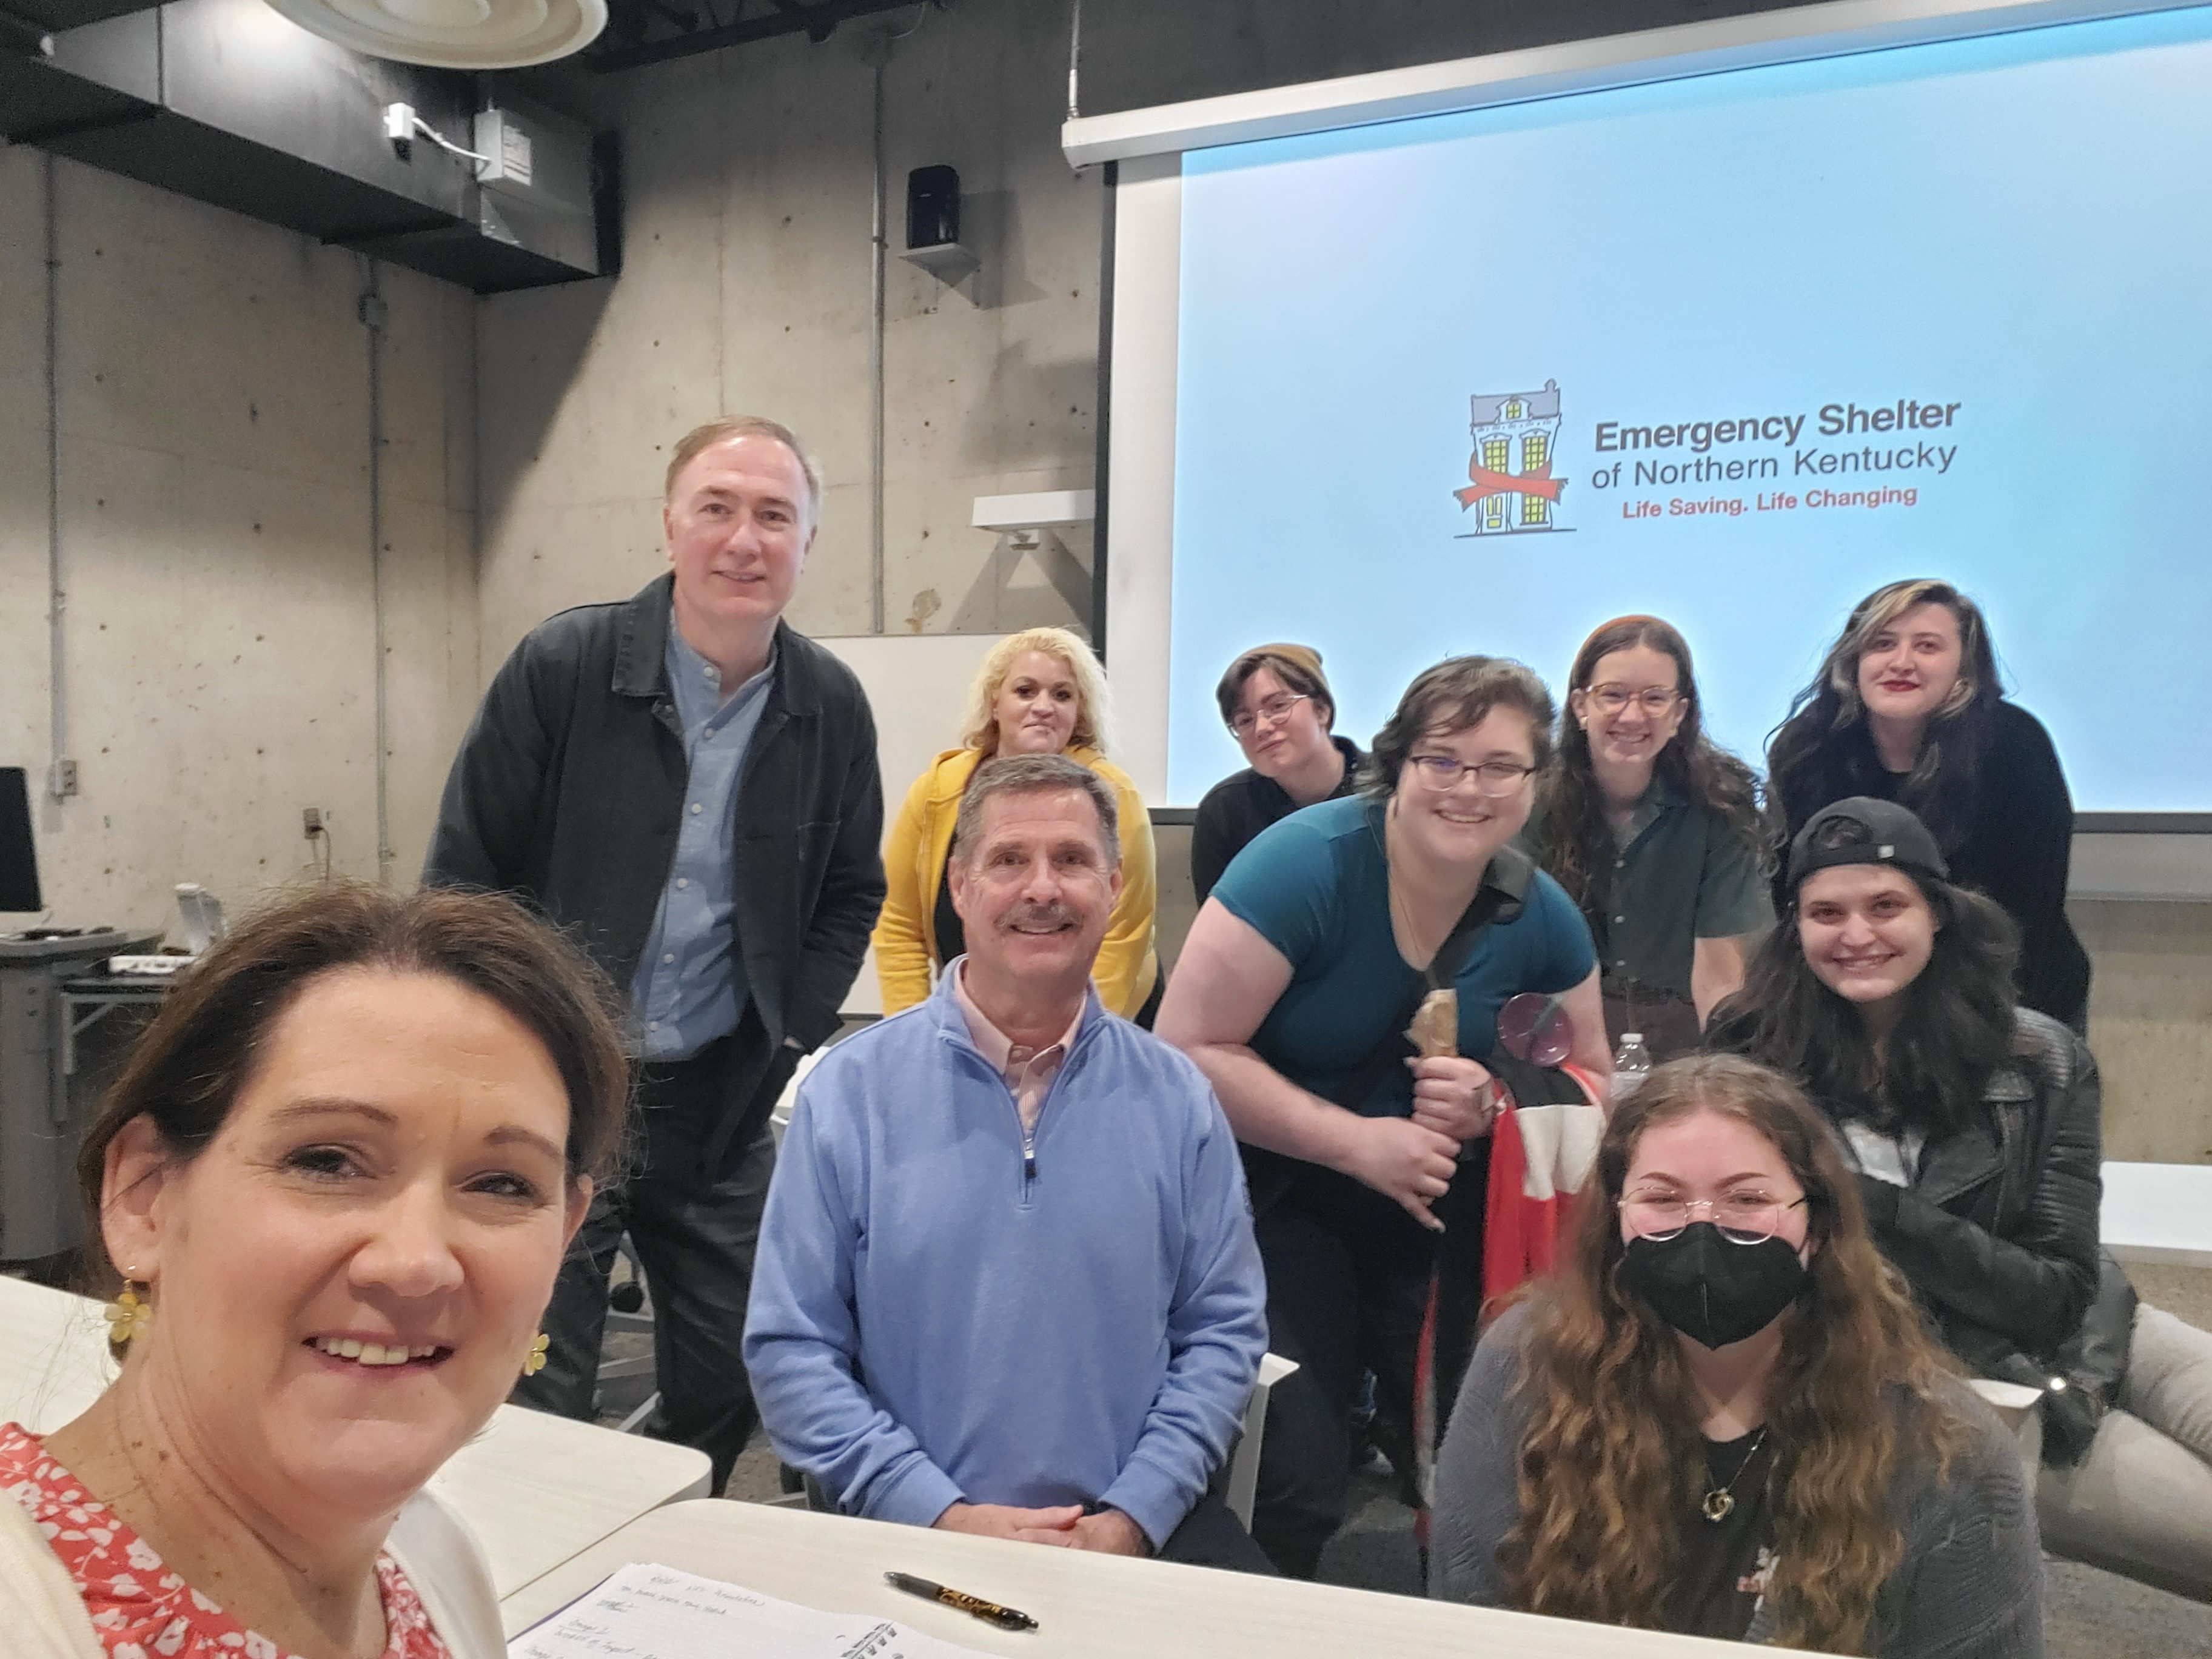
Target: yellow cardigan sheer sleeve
{"points": [[1126, 966]]}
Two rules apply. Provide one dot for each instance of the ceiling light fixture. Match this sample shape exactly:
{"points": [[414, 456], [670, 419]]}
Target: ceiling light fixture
{"points": [[459, 34]]}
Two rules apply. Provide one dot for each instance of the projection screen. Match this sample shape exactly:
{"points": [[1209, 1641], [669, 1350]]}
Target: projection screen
{"points": [[1731, 324]]}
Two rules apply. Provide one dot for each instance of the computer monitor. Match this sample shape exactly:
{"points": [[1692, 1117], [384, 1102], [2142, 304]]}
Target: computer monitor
{"points": [[19, 860]]}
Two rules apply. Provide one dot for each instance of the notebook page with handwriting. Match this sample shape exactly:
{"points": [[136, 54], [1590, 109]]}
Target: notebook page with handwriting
{"points": [[649, 1612]]}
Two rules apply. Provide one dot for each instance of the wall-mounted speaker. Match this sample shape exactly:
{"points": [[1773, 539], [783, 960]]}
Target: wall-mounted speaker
{"points": [[932, 207]]}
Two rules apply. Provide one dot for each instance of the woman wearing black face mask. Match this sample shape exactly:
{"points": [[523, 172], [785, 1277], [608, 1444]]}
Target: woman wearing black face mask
{"points": [[1721, 1418]]}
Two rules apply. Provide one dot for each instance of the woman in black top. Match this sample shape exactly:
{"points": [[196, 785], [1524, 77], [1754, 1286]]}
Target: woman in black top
{"points": [[1719, 1415], [1907, 707], [1276, 704], [1886, 992]]}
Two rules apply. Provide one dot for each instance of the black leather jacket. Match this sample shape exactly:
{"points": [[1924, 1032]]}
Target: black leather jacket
{"points": [[1998, 1232], [567, 793]]}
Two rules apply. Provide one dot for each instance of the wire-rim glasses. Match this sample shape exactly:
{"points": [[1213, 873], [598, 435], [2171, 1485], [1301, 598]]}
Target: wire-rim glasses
{"points": [[1747, 1216], [1274, 710]]}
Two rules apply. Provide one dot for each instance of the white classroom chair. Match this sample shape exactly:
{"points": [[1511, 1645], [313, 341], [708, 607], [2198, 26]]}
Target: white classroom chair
{"points": [[1244, 1460], [2014, 1404]]}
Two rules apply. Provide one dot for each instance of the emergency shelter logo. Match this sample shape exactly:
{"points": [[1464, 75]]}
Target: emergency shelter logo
{"points": [[1510, 487]]}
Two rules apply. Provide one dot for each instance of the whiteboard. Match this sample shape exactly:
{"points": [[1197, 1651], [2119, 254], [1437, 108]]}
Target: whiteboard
{"points": [[915, 683]]}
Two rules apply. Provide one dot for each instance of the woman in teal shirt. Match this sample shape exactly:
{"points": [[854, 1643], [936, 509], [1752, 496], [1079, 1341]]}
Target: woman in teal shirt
{"points": [[1292, 990]]}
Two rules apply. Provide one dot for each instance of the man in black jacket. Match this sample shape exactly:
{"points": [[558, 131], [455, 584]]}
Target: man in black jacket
{"points": [[690, 789]]}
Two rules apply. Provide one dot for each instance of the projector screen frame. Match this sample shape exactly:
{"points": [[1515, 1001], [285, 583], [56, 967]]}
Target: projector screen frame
{"points": [[1836, 28]]}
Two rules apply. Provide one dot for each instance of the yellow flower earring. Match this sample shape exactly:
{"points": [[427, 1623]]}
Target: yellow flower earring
{"points": [[130, 1315], [534, 1361]]}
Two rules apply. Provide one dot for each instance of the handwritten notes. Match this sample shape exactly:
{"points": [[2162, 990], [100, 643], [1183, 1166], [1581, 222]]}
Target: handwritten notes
{"points": [[646, 1612]]}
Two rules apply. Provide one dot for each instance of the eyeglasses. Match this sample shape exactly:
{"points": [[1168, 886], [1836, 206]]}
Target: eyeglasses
{"points": [[1275, 710], [1655, 700], [1493, 778], [1746, 1217]]}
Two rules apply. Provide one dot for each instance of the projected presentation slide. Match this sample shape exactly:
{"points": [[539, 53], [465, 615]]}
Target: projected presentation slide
{"points": [[1735, 351]]}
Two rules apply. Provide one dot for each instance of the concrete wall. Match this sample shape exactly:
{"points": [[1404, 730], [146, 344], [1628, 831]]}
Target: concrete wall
{"points": [[2150, 1023], [746, 287], [220, 647]]}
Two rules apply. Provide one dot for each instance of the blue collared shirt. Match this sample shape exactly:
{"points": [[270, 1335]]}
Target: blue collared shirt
{"points": [[690, 984]]}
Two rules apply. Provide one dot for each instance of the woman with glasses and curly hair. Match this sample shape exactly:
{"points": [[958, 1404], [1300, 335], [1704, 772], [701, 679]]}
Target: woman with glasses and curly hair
{"points": [[1721, 1418], [1293, 993], [1907, 707], [1653, 831]]}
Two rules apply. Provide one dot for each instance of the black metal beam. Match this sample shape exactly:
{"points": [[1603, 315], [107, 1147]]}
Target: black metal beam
{"points": [[58, 131], [792, 18], [686, 20], [816, 32]]}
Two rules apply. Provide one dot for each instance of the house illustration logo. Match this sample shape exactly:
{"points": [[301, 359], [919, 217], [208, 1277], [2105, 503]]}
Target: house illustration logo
{"points": [[1510, 484]]}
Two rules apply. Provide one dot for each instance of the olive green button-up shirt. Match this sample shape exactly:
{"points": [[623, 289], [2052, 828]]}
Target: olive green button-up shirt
{"points": [[1681, 875]]}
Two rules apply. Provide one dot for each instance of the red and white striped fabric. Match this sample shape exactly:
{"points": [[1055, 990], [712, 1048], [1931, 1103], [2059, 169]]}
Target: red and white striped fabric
{"points": [[1541, 1158]]}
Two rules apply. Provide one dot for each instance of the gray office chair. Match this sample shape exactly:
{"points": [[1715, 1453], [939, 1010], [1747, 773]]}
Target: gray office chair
{"points": [[629, 1308]]}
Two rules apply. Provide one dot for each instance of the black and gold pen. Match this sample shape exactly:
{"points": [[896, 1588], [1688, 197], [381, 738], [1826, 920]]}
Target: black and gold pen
{"points": [[989, 1612]]}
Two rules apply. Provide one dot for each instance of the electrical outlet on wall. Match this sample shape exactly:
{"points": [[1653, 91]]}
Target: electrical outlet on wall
{"points": [[311, 821]]}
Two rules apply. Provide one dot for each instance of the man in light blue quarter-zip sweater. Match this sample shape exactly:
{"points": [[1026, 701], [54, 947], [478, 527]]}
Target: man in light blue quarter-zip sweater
{"points": [[1006, 1280]]}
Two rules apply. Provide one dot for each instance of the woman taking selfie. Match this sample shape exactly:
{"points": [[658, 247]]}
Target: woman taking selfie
{"points": [[1293, 993], [1907, 707], [1720, 1417], [1039, 692], [1886, 992], [335, 1183], [1654, 832]]}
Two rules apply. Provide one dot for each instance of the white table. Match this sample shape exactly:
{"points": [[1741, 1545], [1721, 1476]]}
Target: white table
{"points": [[2158, 1212], [1087, 1607], [535, 1489]]}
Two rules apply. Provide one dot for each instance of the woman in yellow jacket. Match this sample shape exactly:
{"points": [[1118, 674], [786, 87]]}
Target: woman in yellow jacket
{"points": [[1039, 692]]}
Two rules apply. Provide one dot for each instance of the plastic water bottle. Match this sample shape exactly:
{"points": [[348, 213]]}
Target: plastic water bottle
{"points": [[202, 914], [1631, 1064]]}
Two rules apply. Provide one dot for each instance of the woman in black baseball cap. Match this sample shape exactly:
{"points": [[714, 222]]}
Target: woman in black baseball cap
{"points": [[1885, 989], [1907, 707]]}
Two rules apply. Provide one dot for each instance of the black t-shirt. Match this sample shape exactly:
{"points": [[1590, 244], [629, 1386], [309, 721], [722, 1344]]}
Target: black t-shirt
{"points": [[1239, 807], [1724, 1566], [951, 937]]}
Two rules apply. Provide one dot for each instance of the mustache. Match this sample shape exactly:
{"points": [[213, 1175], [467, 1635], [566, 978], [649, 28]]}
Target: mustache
{"points": [[1053, 915]]}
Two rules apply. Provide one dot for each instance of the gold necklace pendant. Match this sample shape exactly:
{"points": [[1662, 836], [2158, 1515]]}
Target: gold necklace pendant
{"points": [[1720, 1501]]}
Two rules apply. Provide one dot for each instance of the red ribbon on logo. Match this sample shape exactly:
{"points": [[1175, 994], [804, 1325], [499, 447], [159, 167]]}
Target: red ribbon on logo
{"points": [[1487, 483]]}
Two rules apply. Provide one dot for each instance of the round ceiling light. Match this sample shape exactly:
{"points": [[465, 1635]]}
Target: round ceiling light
{"points": [[460, 34]]}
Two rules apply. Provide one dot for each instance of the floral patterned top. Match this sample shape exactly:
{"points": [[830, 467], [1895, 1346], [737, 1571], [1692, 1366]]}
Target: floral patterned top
{"points": [[139, 1608]]}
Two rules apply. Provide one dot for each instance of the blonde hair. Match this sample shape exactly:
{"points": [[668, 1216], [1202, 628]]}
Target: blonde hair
{"points": [[727, 430], [979, 727]]}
